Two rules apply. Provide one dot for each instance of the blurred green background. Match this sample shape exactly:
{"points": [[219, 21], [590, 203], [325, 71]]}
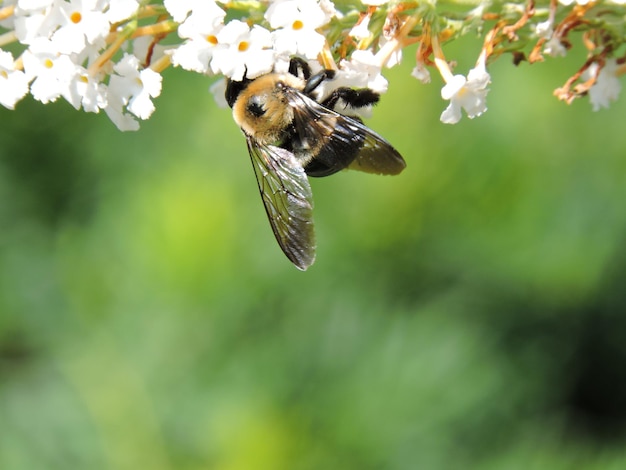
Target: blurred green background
{"points": [[469, 313]]}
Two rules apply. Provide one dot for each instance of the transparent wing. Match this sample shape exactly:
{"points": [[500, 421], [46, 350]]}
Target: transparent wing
{"points": [[341, 136], [288, 200]]}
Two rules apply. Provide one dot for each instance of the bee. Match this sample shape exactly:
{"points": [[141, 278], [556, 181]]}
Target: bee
{"points": [[292, 135]]}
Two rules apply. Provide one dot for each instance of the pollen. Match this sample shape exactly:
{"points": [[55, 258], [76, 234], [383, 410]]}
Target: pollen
{"points": [[76, 17], [4, 74], [211, 39], [48, 63], [243, 46], [297, 25], [83, 78]]}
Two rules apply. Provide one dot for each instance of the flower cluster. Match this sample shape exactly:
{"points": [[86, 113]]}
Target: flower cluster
{"points": [[62, 56], [109, 54]]}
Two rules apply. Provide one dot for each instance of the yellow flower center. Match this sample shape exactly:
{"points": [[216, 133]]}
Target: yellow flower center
{"points": [[297, 25], [76, 17], [243, 46], [48, 63], [211, 39]]}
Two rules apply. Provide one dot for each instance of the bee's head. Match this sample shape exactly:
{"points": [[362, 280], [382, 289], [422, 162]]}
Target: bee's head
{"points": [[256, 106], [262, 109]]}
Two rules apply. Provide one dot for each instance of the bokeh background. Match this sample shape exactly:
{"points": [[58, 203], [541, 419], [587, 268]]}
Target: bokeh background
{"points": [[469, 313]]}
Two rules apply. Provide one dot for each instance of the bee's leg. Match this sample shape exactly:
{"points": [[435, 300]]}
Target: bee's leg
{"points": [[233, 89], [358, 98], [316, 80], [298, 67]]}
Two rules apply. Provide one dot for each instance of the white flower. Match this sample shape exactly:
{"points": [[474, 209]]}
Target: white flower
{"points": [[37, 19], [115, 110], [394, 57], [51, 72], [121, 9], [195, 54], [200, 29], [544, 29], [329, 10], [363, 70], [243, 52], [469, 94], [218, 90], [33, 5], [296, 22], [144, 49], [421, 73], [179, 9], [133, 89], [87, 92], [82, 23], [13, 83], [204, 18], [607, 86], [554, 47], [361, 29]]}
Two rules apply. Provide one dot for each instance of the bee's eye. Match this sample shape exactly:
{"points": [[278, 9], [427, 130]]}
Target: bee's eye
{"points": [[255, 106]]}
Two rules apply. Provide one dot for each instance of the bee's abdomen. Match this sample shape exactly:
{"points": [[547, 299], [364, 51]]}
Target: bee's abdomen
{"points": [[334, 156]]}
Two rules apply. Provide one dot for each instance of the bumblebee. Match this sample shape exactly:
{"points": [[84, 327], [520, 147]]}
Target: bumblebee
{"points": [[292, 134]]}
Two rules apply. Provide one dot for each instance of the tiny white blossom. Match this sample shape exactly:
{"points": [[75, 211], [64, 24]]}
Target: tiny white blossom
{"points": [[607, 86], [82, 23], [421, 73], [133, 88], [329, 10], [143, 47], [394, 58], [245, 51], [204, 18], [179, 9], [13, 83], [121, 9], [50, 71], [283, 61], [363, 69], [554, 47], [86, 92], [469, 94], [195, 54], [218, 90], [544, 29], [296, 22], [361, 29], [200, 29], [115, 110], [33, 5], [34, 20]]}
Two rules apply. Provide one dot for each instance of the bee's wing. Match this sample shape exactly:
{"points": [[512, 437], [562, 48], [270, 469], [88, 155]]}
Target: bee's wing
{"points": [[316, 123], [288, 200], [377, 155]]}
